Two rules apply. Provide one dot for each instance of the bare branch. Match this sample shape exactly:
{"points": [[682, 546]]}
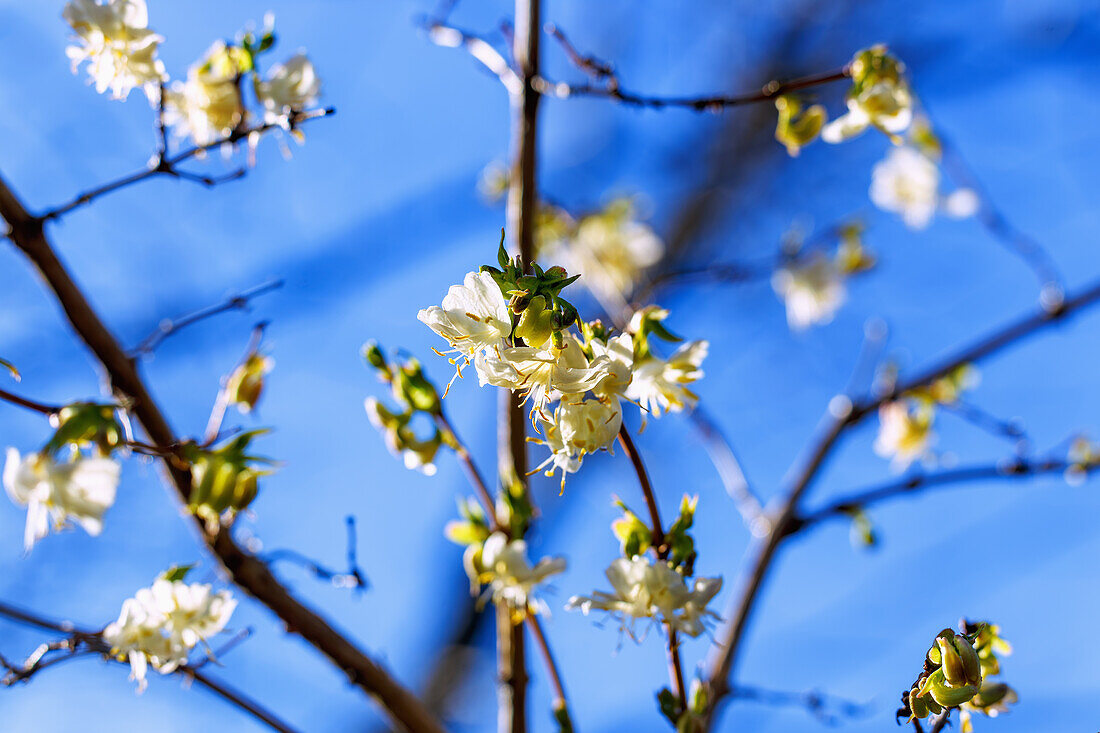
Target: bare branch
{"points": [[28, 403], [561, 704], [353, 577], [724, 458], [715, 103], [472, 472], [246, 570], [829, 710], [477, 46], [164, 164], [1019, 468], [168, 327]]}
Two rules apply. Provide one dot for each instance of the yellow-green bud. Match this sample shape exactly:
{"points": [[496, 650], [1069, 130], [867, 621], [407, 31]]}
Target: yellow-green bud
{"points": [[535, 323], [246, 383], [86, 423], [796, 128], [374, 356]]}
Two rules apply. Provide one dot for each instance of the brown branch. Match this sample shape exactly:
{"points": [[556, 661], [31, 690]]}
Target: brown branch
{"points": [[235, 697], [28, 403], [168, 327], [245, 569], [561, 704], [1017, 469], [167, 165], [472, 472], [614, 92], [720, 665]]}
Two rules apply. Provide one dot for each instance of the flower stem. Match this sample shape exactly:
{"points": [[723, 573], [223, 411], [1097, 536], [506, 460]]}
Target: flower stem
{"points": [[647, 491]]}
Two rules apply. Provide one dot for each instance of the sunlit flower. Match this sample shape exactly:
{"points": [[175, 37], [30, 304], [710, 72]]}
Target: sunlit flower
{"points": [[115, 40], [619, 351], [208, 105], [643, 588], [905, 433], [610, 250], [886, 105], [907, 183], [504, 566], [541, 373], [474, 317], [579, 427], [812, 289], [160, 625], [78, 490], [661, 385], [290, 87]]}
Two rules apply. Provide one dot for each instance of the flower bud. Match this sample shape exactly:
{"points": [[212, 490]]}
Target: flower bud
{"points": [[246, 383], [86, 423], [796, 128], [374, 356], [414, 389], [960, 662], [535, 323]]}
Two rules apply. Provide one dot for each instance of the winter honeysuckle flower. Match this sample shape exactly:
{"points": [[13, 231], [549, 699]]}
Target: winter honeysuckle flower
{"points": [[504, 567], [879, 97], [619, 351], [160, 625], [579, 427], [812, 290], [207, 106], [660, 384], [288, 88], [907, 183], [542, 373], [474, 317], [78, 490], [115, 40], [905, 433], [644, 588], [610, 250]]}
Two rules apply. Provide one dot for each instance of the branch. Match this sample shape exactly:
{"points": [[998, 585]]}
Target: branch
{"points": [[245, 569], [826, 708], [353, 577], [472, 472], [1019, 468], [168, 327], [728, 643], [733, 478], [28, 403], [561, 705], [611, 90], [477, 46], [164, 164]]}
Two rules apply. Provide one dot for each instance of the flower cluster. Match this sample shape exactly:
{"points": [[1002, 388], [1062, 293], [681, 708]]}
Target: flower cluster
{"points": [[879, 97], [115, 40], [905, 425], [73, 478], [501, 564], [417, 396], [610, 249], [956, 674], [907, 182], [207, 106], [161, 624], [655, 583], [813, 285]]}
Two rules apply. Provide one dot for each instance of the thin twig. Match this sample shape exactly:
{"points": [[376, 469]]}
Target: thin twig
{"points": [[41, 407], [724, 458], [472, 472], [613, 91], [826, 708], [235, 697], [561, 704], [168, 327], [353, 577], [1017, 469], [477, 46], [656, 529], [166, 165]]}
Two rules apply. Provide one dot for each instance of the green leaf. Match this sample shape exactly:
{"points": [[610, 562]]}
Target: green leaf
{"points": [[176, 572], [670, 707]]}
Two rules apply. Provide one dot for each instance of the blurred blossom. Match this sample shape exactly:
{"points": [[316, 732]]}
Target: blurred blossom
{"points": [[115, 40]]}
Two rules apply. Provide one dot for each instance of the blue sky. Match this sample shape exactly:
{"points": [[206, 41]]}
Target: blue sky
{"points": [[377, 214]]}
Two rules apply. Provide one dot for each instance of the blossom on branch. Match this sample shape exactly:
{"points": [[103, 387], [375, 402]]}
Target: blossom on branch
{"points": [[161, 624], [79, 490], [812, 289], [474, 317], [579, 427], [114, 38], [502, 564], [288, 88], [645, 588], [208, 105], [907, 183], [905, 432], [879, 98]]}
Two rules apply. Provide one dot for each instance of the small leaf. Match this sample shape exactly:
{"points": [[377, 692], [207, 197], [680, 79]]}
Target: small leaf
{"points": [[176, 572]]}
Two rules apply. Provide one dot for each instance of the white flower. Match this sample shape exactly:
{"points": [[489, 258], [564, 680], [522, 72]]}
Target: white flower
{"points": [[115, 40], [610, 250], [474, 317], [659, 384], [512, 580], [580, 427], [643, 588], [541, 373], [905, 433], [619, 351], [885, 104], [208, 105], [813, 290], [160, 625], [289, 87], [907, 183], [80, 489]]}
